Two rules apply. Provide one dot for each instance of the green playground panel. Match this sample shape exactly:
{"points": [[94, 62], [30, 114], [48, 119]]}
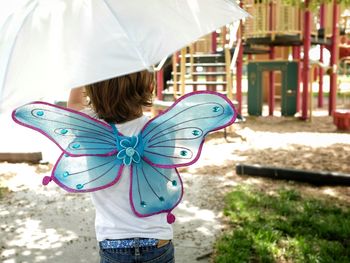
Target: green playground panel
{"points": [[289, 87]]}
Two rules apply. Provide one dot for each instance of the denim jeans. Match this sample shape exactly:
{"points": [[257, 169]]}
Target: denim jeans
{"points": [[164, 254]]}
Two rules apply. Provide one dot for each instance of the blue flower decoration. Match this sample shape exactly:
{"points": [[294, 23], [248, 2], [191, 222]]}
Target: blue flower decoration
{"points": [[128, 153]]}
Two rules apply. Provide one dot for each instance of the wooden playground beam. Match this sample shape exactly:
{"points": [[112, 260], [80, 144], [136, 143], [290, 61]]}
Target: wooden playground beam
{"points": [[239, 70], [239, 64], [228, 73], [29, 157], [183, 71], [175, 61]]}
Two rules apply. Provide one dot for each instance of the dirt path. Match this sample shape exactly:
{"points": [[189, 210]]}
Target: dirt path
{"points": [[45, 224]]}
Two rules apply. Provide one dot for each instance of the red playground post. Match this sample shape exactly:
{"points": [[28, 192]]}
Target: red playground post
{"points": [[306, 69], [320, 72], [334, 59], [160, 84]]}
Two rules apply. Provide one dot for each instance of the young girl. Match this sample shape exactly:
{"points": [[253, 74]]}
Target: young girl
{"points": [[122, 236], [133, 206]]}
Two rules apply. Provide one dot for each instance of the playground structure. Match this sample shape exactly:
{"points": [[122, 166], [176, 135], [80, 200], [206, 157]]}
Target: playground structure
{"points": [[277, 33]]}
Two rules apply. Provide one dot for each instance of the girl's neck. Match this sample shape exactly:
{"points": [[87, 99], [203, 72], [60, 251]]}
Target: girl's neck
{"points": [[134, 117]]}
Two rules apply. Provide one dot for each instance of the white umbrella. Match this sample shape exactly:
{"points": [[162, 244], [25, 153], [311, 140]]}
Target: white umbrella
{"points": [[54, 45]]}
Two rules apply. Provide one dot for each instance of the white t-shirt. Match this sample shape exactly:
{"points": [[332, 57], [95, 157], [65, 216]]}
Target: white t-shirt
{"points": [[114, 216]]}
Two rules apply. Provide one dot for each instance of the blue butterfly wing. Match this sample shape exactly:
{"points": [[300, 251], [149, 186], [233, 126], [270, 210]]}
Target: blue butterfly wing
{"points": [[175, 138], [154, 190], [74, 132], [86, 173]]}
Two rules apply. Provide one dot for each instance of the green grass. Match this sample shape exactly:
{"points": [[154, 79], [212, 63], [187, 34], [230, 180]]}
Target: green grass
{"points": [[283, 227], [3, 192]]}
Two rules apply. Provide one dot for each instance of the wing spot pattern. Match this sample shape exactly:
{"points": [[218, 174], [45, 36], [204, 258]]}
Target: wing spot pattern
{"points": [[64, 131], [183, 153], [216, 109], [40, 113], [76, 146], [195, 133]]}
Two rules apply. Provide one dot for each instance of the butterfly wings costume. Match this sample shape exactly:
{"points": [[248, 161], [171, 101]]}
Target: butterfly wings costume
{"points": [[94, 153]]}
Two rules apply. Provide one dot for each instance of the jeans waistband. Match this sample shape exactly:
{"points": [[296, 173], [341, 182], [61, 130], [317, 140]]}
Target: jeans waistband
{"points": [[128, 243]]}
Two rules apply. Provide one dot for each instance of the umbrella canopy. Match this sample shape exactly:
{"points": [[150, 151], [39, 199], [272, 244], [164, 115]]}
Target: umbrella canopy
{"points": [[51, 45]]}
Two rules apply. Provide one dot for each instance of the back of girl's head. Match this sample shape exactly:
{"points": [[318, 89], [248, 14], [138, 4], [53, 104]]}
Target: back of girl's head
{"points": [[121, 99]]}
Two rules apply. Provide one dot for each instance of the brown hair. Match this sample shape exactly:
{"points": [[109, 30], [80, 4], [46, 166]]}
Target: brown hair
{"points": [[121, 99]]}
